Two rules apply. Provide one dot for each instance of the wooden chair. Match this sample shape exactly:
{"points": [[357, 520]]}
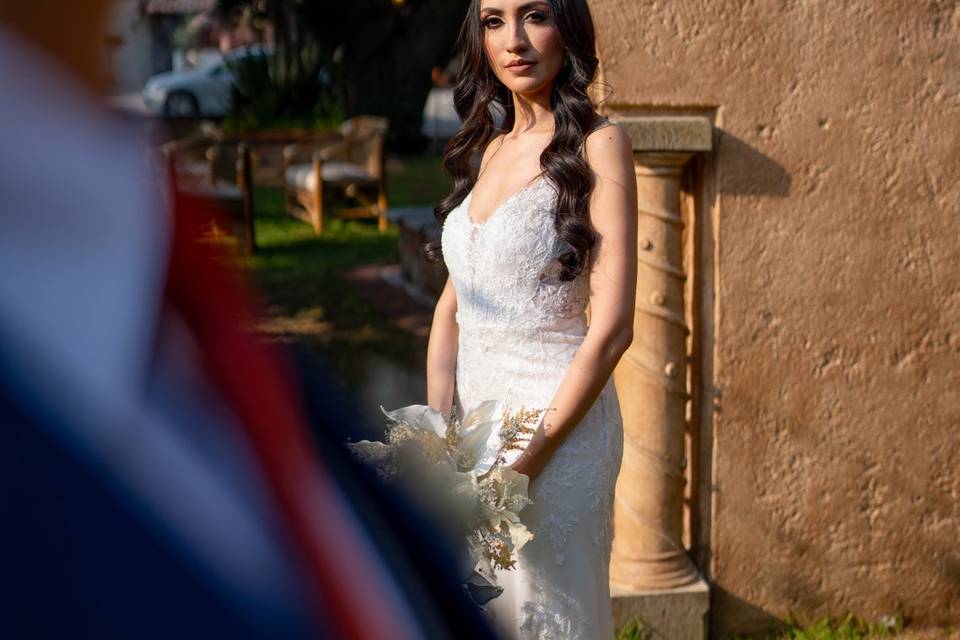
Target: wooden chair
{"points": [[195, 169], [349, 161]]}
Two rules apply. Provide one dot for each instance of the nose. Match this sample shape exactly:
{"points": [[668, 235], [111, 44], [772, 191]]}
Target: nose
{"points": [[516, 37]]}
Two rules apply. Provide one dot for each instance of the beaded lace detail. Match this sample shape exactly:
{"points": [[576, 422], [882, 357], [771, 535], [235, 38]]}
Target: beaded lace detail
{"points": [[519, 329]]}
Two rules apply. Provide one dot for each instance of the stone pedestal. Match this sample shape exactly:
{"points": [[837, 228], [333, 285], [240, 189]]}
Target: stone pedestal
{"points": [[667, 614]]}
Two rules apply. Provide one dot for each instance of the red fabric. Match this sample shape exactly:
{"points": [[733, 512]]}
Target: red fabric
{"points": [[351, 598]]}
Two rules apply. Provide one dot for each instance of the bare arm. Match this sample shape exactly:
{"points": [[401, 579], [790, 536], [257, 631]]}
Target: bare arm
{"points": [[442, 351], [613, 212]]}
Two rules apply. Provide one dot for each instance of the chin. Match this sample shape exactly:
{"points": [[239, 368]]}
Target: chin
{"points": [[526, 85]]}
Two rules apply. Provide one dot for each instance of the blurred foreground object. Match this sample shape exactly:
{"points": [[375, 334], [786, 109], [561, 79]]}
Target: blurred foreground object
{"points": [[157, 475]]}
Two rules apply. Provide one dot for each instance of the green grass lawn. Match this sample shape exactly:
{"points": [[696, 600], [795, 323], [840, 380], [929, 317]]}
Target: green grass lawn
{"points": [[416, 180], [296, 274]]}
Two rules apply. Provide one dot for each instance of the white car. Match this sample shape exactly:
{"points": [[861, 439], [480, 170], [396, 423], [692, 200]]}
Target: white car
{"points": [[204, 91]]}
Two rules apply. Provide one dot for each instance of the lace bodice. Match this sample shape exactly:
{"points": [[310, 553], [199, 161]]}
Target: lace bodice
{"points": [[506, 269]]}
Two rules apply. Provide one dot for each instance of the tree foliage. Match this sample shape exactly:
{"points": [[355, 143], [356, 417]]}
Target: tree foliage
{"points": [[378, 53]]}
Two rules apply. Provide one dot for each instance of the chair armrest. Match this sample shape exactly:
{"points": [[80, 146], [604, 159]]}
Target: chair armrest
{"points": [[339, 150], [346, 148], [302, 150], [187, 158]]}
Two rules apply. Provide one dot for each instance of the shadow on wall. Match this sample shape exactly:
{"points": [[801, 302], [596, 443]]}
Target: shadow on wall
{"points": [[748, 172]]}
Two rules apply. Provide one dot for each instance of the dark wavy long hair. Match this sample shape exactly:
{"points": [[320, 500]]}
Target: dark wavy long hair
{"points": [[574, 118]]}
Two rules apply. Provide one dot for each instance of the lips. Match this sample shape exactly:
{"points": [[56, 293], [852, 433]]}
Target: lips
{"points": [[519, 65]]}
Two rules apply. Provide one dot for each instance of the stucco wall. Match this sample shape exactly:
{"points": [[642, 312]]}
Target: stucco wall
{"points": [[836, 310]]}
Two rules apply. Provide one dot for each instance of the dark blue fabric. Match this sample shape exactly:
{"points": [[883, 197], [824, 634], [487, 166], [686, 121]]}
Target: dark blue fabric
{"points": [[81, 560]]}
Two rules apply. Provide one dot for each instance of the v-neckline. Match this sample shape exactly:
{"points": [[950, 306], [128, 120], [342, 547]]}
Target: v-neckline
{"points": [[516, 192]]}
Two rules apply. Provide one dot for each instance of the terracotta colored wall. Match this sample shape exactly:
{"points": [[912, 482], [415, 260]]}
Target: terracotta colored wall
{"points": [[836, 442]]}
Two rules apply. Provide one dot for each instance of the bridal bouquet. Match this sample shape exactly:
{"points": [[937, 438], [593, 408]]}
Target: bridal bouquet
{"points": [[463, 465]]}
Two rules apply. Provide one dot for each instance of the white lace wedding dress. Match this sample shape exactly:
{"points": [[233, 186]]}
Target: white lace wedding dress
{"points": [[520, 326]]}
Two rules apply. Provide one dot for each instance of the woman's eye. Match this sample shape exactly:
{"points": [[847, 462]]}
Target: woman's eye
{"points": [[534, 16]]}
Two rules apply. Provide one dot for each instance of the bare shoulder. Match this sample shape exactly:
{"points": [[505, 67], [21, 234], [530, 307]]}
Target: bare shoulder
{"points": [[609, 154], [609, 151]]}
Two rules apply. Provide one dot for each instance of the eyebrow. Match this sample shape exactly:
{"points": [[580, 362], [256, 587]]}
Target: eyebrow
{"points": [[523, 7]]}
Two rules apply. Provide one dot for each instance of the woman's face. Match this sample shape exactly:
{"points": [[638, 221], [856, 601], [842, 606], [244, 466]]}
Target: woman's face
{"points": [[522, 43]]}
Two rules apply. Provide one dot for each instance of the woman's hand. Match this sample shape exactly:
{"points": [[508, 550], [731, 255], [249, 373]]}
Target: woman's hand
{"points": [[529, 466], [537, 454]]}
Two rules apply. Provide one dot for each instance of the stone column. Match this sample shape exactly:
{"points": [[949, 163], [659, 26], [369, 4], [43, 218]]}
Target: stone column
{"points": [[651, 379]]}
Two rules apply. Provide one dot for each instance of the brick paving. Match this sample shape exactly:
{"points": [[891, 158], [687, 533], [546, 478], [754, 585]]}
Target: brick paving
{"points": [[387, 293]]}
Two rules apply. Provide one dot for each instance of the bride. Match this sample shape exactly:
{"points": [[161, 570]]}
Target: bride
{"points": [[545, 225]]}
